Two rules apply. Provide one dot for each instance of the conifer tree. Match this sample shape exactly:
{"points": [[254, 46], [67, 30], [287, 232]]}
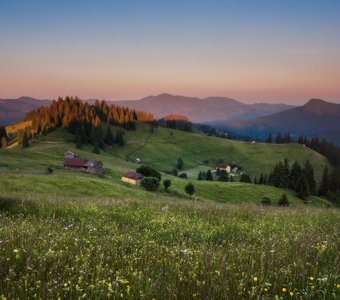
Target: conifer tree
{"points": [[109, 139], [25, 142], [309, 174], [79, 144], [325, 183], [180, 163], [269, 140], [209, 176], [302, 188], [223, 176], [119, 140]]}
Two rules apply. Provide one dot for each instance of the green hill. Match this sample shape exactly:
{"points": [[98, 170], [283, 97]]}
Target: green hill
{"points": [[71, 235], [160, 149]]}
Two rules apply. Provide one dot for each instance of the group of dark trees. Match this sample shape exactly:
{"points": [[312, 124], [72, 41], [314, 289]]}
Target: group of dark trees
{"points": [[330, 181], [202, 175], [222, 175], [176, 121], [84, 120], [301, 179], [279, 138], [3, 137], [297, 178]]}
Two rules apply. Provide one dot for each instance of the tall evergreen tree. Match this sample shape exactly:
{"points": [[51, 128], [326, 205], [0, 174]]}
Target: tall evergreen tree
{"points": [[223, 176], [209, 176], [25, 142], [269, 140], [79, 144], [245, 178], [325, 183], [295, 174], [119, 140], [309, 174], [180, 163], [109, 139], [302, 188]]}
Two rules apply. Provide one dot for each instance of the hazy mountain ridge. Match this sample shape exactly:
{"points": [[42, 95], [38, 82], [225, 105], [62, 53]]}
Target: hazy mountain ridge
{"points": [[196, 109], [316, 117], [12, 110], [204, 110]]}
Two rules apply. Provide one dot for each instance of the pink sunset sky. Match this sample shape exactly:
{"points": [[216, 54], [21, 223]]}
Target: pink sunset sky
{"points": [[266, 52]]}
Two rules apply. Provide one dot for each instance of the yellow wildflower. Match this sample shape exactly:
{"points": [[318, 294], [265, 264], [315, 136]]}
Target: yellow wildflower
{"points": [[311, 278], [255, 278], [284, 290], [291, 294]]}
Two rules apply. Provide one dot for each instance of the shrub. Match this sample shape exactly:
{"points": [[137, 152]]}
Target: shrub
{"points": [[283, 201], [49, 170], [180, 164], [149, 172], [166, 183], [189, 189], [150, 183], [266, 201], [183, 175]]}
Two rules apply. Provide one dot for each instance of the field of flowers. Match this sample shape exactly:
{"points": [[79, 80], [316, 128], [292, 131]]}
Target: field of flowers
{"points": [[85, 248]]}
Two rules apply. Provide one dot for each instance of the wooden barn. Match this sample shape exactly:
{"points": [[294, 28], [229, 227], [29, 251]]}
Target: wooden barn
{"points": [[84, 165], [133, 178]]}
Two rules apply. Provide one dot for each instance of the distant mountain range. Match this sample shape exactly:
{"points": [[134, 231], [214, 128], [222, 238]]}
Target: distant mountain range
{"points": [[12, 110], [196, 109], [203, 110], [315, 118]]}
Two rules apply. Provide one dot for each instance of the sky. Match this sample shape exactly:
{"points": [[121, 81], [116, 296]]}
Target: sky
{"points": [[253, 51]]}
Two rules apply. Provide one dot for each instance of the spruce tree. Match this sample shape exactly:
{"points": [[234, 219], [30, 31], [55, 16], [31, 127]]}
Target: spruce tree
{"points": [[119, 140], [325, 183], [78, 140], [223, 176], [209, 176], [109, 139], [302, 188], [25, 142], [309, 174], [269, 140], [180, 163]]}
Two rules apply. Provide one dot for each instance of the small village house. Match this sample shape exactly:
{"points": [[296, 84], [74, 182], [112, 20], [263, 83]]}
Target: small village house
{"points": [[224, 167], [133, 178], [84, 165]]}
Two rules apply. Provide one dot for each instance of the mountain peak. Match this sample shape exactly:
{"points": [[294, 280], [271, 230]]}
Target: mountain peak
{"points": [[321, 107]]}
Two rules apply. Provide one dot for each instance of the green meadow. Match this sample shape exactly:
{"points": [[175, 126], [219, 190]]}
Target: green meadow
{"points": [[70, 235]]}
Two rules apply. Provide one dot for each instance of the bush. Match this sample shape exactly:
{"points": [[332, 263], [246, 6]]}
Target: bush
{"points": [[183, 175], [189, 189], [148, 172], [49, 170], [166, 183], [283, 201], [266, 201], [150, 183]]}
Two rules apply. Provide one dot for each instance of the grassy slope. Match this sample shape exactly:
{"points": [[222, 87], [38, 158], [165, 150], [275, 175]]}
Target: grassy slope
{"points": [[48, 152], [79, 236], [163, 147]]}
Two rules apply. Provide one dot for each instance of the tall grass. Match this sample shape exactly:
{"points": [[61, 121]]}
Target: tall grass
{"points": [[89, 248]]}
